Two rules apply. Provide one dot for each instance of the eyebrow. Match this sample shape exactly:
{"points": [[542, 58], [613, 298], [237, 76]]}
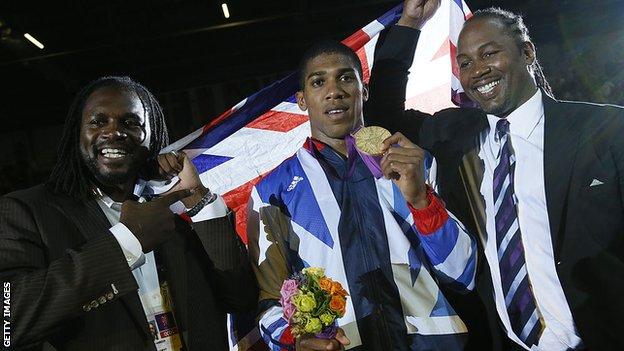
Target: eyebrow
{"points": [[126, 115], [480, 47], [340, 71]]}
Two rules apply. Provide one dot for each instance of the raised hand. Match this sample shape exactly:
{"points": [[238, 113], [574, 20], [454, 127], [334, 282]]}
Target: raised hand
{"points": [[177, 163], [310, 343], [417, 12], [404, 164], [152, 223]]}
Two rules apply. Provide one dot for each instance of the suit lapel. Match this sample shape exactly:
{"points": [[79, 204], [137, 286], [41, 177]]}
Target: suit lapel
{"points": [[471, 170], [93, 224], [561, 140]]}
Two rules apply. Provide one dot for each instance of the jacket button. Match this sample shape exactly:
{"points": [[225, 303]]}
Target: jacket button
{"points": [[94, 304], [102, 300], [558, 263], [109, 296], [86, 308]]}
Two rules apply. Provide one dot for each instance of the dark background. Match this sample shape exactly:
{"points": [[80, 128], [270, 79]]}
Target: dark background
{"points": [[198, 63]]}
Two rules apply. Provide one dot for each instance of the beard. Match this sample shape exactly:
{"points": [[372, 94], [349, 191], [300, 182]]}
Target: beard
{"points": [[111, 177]]}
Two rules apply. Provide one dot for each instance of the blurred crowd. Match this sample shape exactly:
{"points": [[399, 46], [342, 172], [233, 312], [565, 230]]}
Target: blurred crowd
{"points": [[594, 72]]}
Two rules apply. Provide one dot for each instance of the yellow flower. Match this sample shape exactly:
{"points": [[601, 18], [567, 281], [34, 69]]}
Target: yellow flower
{"points": [[327, 318], [316, 272], [313, 326], [305, 302]]}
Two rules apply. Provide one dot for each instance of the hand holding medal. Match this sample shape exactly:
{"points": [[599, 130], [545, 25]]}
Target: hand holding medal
{"points": [[402, 161]]}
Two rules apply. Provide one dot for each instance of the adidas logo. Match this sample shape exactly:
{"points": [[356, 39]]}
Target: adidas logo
{"points": [[295, 181]]}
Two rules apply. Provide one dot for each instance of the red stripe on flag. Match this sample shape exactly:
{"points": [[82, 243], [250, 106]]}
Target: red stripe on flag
{"points": [[236, 199], [217, 120], [444, 50], [432, 100], [365, 68], [357, 40], [454, 66], [278, 121]]}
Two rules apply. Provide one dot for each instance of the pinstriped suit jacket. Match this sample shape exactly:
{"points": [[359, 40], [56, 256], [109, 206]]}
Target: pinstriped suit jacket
{"points": [[58, 255]]}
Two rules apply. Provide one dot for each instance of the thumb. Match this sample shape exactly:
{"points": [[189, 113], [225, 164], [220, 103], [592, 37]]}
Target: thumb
{"points": [[342, 338], [175, 196]]}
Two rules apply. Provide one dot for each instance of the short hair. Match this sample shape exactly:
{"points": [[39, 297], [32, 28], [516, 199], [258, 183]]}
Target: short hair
{"points": [[324, 47], [70, 175], [515, 27]]}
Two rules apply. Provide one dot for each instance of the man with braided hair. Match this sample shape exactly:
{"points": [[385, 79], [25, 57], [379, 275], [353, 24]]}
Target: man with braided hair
{"points": [[537, 180], [89, 265]]}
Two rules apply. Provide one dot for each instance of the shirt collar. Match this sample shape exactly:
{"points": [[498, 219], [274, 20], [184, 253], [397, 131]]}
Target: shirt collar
{"points": [[524, 119], [138, 190]]}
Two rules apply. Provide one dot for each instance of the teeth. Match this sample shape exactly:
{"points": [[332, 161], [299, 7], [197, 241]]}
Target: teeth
{"points": [[331, 112], [113, 153], [487, 88]]}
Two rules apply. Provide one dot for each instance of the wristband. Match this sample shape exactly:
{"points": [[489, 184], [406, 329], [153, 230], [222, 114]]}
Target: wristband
{"points": [[205, 200]]}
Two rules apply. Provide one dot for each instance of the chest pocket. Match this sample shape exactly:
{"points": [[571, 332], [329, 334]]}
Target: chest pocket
{"points": [[595, 200]]}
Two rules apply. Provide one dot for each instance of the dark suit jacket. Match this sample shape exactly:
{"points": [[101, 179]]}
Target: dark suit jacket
{"points": [[582, 142], [59, 255]]}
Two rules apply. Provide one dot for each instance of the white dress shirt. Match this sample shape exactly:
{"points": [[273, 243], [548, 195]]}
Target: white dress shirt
{"points": [[143, 266], [526, 128]]}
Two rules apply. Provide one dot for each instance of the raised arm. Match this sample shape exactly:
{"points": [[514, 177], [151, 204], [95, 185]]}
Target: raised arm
{"points": [[394, 55]]}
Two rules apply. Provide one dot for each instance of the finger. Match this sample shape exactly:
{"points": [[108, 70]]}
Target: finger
{"points": [[175, 160], [398, 150], [409, 170], [388, 171], [175, 196], [414, 159], [164, 167], [319, 344], [342, 338], [399, 139]]}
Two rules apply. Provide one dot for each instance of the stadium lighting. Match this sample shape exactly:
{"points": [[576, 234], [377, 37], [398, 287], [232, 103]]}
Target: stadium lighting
{"points": [[226, 11], [32, 39]]}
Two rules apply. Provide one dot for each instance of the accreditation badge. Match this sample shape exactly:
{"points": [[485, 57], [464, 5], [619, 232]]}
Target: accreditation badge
{"points": [[161, 320]]}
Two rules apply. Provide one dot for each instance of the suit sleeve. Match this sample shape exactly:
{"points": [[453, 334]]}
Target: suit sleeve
{"points": [[45, 293], [385, 107], [231, 272], [271, 269]]}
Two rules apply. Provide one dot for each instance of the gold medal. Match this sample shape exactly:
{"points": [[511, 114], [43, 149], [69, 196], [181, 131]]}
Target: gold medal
{"points": [[369, 139]]}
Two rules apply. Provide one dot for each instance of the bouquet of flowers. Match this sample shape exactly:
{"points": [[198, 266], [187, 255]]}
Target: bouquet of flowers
{"points": [[312, 302]]}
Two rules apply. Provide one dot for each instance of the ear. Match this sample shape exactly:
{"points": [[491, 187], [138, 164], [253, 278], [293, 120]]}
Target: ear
{"points": [[301, 100], [364, 92], [528, 50]]}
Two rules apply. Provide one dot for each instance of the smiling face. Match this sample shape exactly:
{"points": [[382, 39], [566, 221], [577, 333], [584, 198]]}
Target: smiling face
{"points": [[333, 94], [114, 135], [493, 70]]}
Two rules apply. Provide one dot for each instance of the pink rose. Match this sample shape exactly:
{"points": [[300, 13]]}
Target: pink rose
{"points": [[289, 310], [289, 288]]}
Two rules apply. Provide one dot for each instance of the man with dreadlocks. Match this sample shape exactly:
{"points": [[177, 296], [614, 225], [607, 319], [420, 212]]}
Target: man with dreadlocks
{"points": [[90, 265], [539, 181]]}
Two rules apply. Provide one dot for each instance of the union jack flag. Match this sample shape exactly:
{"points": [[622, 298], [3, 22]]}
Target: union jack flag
{"points": [[236, 149]]}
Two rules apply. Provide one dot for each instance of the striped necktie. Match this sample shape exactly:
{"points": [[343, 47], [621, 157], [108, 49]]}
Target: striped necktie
{"points": [[523, 314]]}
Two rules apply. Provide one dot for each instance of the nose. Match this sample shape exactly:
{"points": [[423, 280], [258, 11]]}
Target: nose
{"points": [[114, 131], [480, 69], [334, 90]]}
